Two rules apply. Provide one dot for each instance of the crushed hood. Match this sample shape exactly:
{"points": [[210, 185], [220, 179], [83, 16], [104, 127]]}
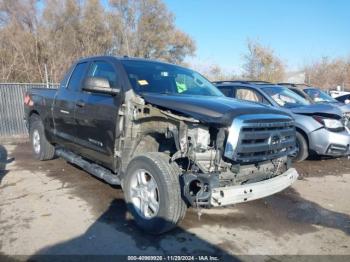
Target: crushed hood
{"points": [[211, 110], [314, 109], [345, 108]]}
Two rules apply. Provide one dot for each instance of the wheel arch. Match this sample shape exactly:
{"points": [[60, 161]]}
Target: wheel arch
{"points": [[303, 133], [33, 113]]}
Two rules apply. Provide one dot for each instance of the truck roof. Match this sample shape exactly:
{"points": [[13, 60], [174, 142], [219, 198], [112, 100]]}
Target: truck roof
{"points": [[253, 82], [122, 58]]}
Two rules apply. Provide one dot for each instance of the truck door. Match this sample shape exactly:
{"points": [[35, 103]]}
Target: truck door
{"points": [[64, 106], [97, 115]]}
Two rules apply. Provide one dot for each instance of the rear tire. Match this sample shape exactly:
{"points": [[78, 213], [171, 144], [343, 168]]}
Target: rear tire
{"points": [[42, 149], [168, 207], [303, 149]]}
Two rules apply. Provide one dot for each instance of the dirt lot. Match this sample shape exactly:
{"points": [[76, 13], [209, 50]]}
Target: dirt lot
{"points": [[54, 208]]}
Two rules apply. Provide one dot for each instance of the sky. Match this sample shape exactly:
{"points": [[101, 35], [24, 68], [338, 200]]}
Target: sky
{"points": [[299, 31]]}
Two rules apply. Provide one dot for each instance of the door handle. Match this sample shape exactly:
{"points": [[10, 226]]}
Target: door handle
{"points": [[64, 112], [80, 103]]}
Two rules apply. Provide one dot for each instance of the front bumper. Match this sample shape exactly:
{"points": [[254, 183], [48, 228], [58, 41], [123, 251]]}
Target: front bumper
{"points": [[325, 142], [223, 196]]}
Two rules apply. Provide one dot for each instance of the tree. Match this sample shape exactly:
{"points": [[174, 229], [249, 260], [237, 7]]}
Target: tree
{"points": [[326, 73], [214, 72], [262, 64], [61, 26], [20, 43], [147, 29], [95, 34], [62, 31]]}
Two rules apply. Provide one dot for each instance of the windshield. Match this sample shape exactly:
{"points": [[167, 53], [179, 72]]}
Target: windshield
{"points": [[153, 77], [319, 96], [285, 97]]}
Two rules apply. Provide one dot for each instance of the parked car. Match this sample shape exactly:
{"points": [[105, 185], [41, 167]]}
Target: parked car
{"points": [[298, 89], [167, 135], [345, 99], [336, 93], [318, 96], [321, 128]]}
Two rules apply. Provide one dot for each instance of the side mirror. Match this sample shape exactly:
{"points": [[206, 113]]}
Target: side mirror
{"points": [[99, 85]]}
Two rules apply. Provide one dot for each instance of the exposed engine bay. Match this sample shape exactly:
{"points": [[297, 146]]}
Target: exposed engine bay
{"points": [[254, 148]]}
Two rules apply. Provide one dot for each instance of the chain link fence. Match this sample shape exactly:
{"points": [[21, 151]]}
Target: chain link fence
{"points": [[12, 107]]}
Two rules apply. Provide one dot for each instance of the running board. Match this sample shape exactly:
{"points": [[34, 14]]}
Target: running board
{"points": [[92, 168]]}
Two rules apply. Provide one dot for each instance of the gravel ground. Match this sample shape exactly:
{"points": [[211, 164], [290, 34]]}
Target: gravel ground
{"points": [[53, 207]]}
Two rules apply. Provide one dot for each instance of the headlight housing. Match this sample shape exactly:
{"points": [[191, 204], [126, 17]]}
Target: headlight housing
{"points": [[331, 124]]}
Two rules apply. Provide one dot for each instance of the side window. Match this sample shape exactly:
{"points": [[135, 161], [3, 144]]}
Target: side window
{"points": [[300, 93], [104, 70], [248, 94], [227, 91], [77, 76], [64, 81], [265, 101]]}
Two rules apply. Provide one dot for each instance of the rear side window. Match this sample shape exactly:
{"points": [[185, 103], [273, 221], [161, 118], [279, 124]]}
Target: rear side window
{"points": [[248, 94], [104, 70], [77, 76], [227, 91]]}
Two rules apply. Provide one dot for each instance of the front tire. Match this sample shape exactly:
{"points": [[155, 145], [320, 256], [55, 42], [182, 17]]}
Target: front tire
{"points": [[153, 194], [42, 149], [303, 149]]}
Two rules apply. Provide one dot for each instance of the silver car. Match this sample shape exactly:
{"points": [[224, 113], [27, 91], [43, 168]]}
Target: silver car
{"points": [[317, 96], [321, 128]]}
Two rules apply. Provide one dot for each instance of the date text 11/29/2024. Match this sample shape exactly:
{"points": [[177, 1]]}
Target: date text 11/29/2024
{"points": [[173, 258]]}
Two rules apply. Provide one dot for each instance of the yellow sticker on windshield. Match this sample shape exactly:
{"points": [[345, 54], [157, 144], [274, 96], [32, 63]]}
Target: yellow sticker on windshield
{"points": [[142, 82]]}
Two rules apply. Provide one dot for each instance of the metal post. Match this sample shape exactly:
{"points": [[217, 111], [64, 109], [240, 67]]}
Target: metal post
{"points": [[46, 76]]}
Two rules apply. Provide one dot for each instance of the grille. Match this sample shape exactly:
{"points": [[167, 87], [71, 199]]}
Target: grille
{"points": [[346, 119], [261, 139]]}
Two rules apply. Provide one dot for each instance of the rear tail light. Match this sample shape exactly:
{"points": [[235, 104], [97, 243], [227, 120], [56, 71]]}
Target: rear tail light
{"points": [[27, 100]]}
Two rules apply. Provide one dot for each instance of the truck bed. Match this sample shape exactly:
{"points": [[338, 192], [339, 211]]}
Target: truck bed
{"points": [[43, 99]]}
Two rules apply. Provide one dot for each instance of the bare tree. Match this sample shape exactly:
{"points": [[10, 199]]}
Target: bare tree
{"points": [[262, 64], [147, 29], [64, 30], [214, 72], [20, 42], [327, 73]]}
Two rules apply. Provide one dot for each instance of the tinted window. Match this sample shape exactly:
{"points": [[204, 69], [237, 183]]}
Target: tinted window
{"points": [[104, 70], [343, 98], [77, 76], [227, 91]]}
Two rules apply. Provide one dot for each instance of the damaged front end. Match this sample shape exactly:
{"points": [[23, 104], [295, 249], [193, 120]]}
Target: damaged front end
{"points": [[246, 161], [220, 165]]}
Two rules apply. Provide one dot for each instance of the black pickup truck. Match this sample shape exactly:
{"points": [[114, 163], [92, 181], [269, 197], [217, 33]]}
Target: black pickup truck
{"points": [[165, 134]]}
